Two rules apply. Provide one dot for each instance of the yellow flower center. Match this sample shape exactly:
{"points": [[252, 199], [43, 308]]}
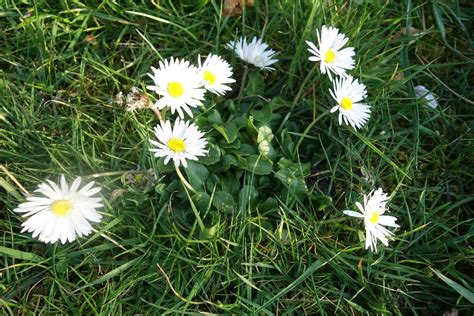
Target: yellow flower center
{"points": [[346, 103], [61, 207], [330, 56], [175, 89], [374, 218], [209, 77], [177, 145]]}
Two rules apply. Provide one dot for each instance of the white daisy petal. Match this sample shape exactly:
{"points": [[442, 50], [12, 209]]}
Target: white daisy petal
{"points": [[62, 213], [372, 210], [333, 59], [183, 141], [179, 84], [353, 214], [254, 52]]}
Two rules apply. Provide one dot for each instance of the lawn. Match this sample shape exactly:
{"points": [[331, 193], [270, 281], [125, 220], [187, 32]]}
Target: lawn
{"points": [[256, 225]]}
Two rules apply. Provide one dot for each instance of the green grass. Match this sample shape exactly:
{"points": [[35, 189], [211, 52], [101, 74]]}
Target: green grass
{"points": [[272, 237]]}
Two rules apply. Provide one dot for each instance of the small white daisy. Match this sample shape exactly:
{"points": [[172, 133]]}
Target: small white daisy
{"points": [[330, 53], [183, 141], [254, 53], [215, 73], [426, 96], [372, 212], [63, 213], [179, 85], [348, 93]]}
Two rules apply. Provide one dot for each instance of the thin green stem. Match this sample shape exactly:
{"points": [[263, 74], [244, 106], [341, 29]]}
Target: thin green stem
{"points": [[184, 181], [187, 187], [306, 131], [243, 81]]}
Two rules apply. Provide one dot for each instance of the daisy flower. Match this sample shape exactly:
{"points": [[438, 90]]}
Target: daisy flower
{"points": [[183, 141], [215, 73], [348, 93], [63, 212], [426, 96], [179, 85], [254, 53], [372, 212], [330, 53]]}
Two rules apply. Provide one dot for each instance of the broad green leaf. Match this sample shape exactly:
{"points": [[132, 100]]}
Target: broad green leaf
{"points": [[278, 103], [295, 185], [201, 200], [255, 84], [212, 157], [299, 169], [224, 202], [196, 173], [259, 165], [264, 115], [229, 131], [214, 117]]}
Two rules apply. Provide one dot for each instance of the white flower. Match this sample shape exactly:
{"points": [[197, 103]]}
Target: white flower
{"points": [[215, 72], [183, 141], [254, 53], [424, 94], [372, 212], [62, 213], [179, 85], [330, 53], [348, 93]]}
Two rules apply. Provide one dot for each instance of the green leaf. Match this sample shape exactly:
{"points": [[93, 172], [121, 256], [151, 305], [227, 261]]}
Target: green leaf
{"points": [[299, 169], [255, 84], [224, 202], [196, 173], [213, 156], [214, 117], [264, 115], [278, 103], [201, 200], [230, 181], [467, 294], [259, 165], [226, 162], [229, 131], [295, 185]]}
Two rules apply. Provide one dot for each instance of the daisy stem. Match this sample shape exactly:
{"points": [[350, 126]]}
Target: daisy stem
{"points": [[243, 81], [306, 131], [184, 181], [193, 207], [158, 113]]}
